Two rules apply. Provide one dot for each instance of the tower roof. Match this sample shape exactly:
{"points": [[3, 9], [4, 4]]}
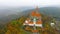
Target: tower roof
{"points": [[35, 12]]}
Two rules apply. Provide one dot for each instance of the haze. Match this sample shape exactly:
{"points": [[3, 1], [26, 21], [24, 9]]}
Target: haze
{"points": [[14, 6], [21, 3]]}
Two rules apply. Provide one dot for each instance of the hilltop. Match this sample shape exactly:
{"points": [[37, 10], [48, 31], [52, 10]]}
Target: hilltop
{"points": [[16, 26]]}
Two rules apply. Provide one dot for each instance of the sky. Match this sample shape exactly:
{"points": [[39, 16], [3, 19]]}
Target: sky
{"points": [[21, 3]]}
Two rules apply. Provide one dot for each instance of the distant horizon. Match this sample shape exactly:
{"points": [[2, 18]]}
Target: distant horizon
{"points": [[28, 6]]}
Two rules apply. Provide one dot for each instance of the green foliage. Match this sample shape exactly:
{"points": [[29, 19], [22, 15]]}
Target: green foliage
{"points": [[14, 22]]}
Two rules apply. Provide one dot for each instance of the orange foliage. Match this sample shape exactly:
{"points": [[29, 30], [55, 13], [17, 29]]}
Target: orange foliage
{"points": [[10, 27], [27, 28], [34, 30], [28, 19]]}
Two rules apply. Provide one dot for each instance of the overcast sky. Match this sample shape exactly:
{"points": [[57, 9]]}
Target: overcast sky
{"points": [[19, 3]]}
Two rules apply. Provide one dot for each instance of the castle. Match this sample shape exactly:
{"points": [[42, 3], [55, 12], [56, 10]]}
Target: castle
{"points": [[34, 19]]}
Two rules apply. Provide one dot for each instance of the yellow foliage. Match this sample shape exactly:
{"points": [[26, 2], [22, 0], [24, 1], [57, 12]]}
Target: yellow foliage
{"points": [[8, 32]]}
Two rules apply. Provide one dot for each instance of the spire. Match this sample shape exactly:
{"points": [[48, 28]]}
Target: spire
{"points": [[36, 12], [36, 7]]}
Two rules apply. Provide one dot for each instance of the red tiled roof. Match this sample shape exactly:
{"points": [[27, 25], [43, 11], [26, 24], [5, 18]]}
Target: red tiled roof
{"points": [[35, 14]]}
